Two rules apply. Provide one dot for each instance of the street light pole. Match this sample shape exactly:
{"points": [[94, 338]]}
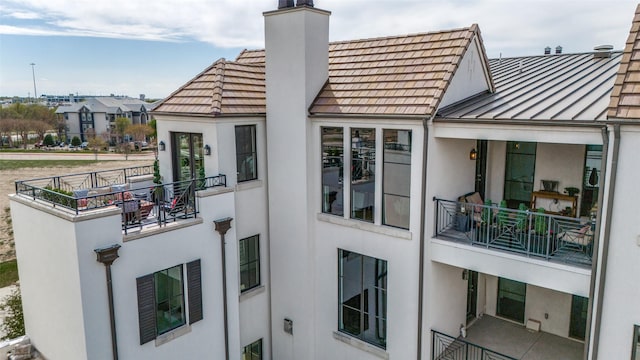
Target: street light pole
{"points": [[33, 72]]}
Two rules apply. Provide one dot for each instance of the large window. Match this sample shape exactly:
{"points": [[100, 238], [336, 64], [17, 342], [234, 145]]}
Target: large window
{"points": [[332, 170], [519, 173], [252, 351], [363, 170], [396, 182], [362, 297], [161, 300], [578, 319], [511, 299], [246, 158], [249, 250]]}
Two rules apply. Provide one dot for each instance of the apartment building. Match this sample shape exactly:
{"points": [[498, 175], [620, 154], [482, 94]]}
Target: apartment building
{"points": [[399, 197]]}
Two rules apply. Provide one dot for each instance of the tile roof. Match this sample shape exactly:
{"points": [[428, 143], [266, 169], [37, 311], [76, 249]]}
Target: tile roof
{"points": [[625, 98], [546, 87], [400, 75], [225, 87]]}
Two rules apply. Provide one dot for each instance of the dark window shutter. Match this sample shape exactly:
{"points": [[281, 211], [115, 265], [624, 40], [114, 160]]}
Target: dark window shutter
{"points": [[194, 286], [146, 308]]}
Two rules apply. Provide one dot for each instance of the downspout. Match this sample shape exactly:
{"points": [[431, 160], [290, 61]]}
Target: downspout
{"points": [[605, 240], [107, 256], [222, 226], [423, 193]]}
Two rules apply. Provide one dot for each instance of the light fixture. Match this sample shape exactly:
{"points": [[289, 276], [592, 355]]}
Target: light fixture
{"points": [[207, 150], [473, 154], [161, 146]]}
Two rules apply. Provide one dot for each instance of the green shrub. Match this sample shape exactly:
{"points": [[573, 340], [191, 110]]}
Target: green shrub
{"points": [[13, 325], [48, 140], [76, 141], [59, 196], [487, 212], [541, 222]]}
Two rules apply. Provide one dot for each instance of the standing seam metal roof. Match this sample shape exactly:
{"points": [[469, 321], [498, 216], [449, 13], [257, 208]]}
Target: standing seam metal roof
{"points": [[546, 87]]}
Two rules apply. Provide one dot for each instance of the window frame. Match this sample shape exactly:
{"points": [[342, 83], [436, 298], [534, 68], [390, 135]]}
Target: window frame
{"points": [[332, 195], [248, 350], [242, 154], [385, 177], [247, 261], [363, 160], [366, 308], [635, 344], [191, 287], [170, 298]]}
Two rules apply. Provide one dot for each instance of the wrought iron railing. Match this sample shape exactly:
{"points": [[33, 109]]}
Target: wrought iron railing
{"points": [[530, 233], [445, 347], [140, 206], [88, 180]]}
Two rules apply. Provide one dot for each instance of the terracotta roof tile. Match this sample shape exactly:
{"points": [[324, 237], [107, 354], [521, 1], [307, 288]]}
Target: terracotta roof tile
{"points": [[401, 75], [625, 99]]}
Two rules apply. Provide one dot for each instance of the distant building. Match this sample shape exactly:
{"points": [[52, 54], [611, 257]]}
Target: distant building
{"points": [[100, 112]]}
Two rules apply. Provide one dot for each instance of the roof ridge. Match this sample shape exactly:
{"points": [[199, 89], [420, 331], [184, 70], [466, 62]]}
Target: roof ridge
{"points": [[400, 36], [216, 97]]}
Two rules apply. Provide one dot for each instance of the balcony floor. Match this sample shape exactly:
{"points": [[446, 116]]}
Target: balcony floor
{"points": [[516, 341], [564, 256]]}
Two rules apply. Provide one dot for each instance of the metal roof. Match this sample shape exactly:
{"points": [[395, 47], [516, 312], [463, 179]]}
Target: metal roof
{"points": [[625, 99], [546, 87]]}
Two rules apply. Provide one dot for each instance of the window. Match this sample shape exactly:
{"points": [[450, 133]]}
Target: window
{"points": [[188, 159], [332, 170], [578, 319], [363, 169], [396, 182], [161, 301], [519, 173], [252, 351], [511, 299], [362, 297], [246, 159], [635, 351], [249, 250]]}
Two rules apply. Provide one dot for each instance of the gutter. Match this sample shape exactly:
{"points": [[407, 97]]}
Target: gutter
{"points": [[222, 226], [605, 242], [423, 176]]}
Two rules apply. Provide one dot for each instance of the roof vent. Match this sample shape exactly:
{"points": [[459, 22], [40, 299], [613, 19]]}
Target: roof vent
{"points": [[547, 50], [305, 2], [602, 51], [285, 4], [558, 49]]}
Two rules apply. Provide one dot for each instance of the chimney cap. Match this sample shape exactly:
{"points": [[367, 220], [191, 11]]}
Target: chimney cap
{"points": [[602, 51], [285, 4], [305, 2], [558, 49], [547, 50]]}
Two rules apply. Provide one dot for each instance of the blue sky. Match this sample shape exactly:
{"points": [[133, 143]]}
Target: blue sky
{"points": [[133, 46]]}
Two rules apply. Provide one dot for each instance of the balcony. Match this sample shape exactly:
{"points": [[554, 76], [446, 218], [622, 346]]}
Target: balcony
{"points": [[524, 232], [141, 202]]}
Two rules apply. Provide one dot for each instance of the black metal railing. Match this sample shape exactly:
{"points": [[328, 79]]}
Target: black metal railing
{"points": [[142, 205], [530, 233], [88, 180], [445, 347]]}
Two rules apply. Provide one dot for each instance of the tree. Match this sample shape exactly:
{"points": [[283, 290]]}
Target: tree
{"points": [[13, 325], [139, 131], [121, 127], [153, 124], [48, 140]]}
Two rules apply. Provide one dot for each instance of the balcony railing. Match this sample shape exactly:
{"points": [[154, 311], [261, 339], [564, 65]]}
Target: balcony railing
{"points": [[445, 347], [156, 204], [529, 233]]}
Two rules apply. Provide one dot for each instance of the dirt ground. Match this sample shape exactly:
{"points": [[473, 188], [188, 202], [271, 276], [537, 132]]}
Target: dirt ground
{"points": [[7, 186]]}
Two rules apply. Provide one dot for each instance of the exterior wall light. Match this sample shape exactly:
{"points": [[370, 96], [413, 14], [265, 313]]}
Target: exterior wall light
{"points": [[473, 154], [161, 146], [207, 150]]}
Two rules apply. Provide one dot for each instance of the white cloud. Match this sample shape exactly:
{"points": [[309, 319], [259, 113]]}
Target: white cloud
{"points": [[509, 27]]}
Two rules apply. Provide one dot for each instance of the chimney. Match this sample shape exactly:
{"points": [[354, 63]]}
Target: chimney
{"points": [[602, 51], [285, 4], [547, 50], [558, 49]]}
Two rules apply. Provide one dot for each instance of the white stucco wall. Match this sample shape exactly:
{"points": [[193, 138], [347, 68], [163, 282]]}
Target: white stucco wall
{"points": [[471, 77], [538, 302], [296, 43], [49, 282], [622, 292]]}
